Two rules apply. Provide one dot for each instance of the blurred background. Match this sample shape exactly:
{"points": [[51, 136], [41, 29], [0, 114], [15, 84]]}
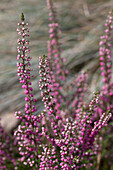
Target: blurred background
{"points": [[81, 24]]}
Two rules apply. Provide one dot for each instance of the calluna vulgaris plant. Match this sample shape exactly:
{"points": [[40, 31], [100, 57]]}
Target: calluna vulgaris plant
{"points": [[66, 134]]}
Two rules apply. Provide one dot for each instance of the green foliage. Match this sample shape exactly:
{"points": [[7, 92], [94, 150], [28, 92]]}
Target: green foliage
{"points": [[22, 17]]}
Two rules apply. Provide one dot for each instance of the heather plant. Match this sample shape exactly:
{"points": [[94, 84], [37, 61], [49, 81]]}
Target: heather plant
{"points": [[67, 133], [106, 65], [55, 62], [7, 150], [66, 96], [106, 94]]}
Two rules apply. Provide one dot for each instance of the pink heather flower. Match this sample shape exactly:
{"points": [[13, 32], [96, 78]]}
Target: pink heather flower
{"points": [[26, 99], [101, 43], [26, 91], [107, 30], [52, 35], [31, 95]]}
